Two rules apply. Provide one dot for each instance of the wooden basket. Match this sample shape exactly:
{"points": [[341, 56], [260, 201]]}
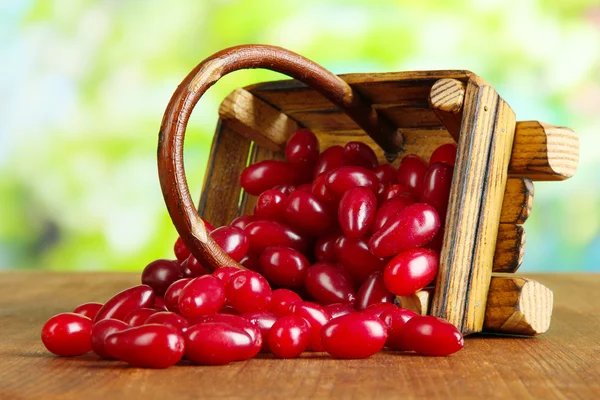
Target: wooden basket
{"points": [[395, 113]]}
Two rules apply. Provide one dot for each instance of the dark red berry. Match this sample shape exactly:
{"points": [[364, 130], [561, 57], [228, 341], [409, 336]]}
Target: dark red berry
{"points": [[103, 329], [160, 274], [373, 291]]}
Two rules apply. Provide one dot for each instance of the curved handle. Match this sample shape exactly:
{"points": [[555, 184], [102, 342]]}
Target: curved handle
{"points": [[173, 182]]}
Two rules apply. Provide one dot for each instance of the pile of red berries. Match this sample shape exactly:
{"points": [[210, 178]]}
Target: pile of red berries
{"points": [[337, 235]]}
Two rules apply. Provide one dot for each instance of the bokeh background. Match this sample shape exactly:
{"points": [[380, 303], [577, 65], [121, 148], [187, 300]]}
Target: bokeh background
{"points": [[84, 83]]}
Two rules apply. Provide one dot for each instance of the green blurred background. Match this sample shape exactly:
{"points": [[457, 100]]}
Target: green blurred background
{"points": [[84, 85]]}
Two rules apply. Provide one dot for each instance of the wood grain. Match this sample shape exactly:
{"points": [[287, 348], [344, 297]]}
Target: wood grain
{"points": [[518, 200], [446, 99], [510, 248], [563, 363], [518, 306]]}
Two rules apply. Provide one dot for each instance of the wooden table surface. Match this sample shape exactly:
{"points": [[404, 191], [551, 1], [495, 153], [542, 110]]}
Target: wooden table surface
{"points": [[563, 363]]}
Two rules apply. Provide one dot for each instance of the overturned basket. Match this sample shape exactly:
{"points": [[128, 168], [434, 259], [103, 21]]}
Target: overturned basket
{"points": [[403, 112]]}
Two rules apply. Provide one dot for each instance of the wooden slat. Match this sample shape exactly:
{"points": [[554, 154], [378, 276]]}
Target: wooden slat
{"points": [[518, 199], [544, 152], [518, 306], [510, 248], [221, 189], [257, 120], [446, 98]]}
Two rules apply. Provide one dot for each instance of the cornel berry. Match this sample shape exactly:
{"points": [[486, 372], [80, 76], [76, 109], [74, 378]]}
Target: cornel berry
{"points": [[335, 233]]}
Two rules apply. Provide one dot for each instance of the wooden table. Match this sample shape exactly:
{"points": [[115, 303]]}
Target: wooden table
{"points": [[563, 363]]}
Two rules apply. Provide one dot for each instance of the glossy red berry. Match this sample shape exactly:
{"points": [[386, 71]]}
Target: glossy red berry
{"points": [[328, 284], [302, 149], [329, 159], [357, 335], [159, 303], [67, 334], [281, 300], [338, 309], [356, 212], [393, 191], [160, 274], [378, 309], [344, 178], [103, 329], [263, 234], [316, 316], [305, 213], [446, 153], [237, 322], [248, 291], [411, 271], [411, 172], [265, 175], [173, 293], [360, 155], [148, 346], [373, 291], [202, 296], [191, 268], [251, 262], [395, 320], [284, 266], [387, 174], [263, 320], [169, 319], [286, 190], [180, 249], [232, 240], [216, 343], [243, 221], [289, 336], [391, 207], [436, 187], [270, 205], [224, 273], [320, 191], [325, 247], [356, 258], [88, 309], [412, 227], [138, 317], [432, 336], [123, 303]]}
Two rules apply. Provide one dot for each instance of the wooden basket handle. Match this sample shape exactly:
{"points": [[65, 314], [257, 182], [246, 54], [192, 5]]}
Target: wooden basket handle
{"points": [[172, 177]]}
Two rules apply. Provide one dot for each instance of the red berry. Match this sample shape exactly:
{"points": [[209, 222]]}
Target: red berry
{"points": [[360, 155], [339, 309], [202, 296], [138, 317], [393, 191], [373, 291], [248, 291], [344, 178], [432, 336], [160, 274], [169, 319], [305, 213], [243, 221], [232, 240], [325, 247], [267, 174], [329, 159], [216, 343], [149, 346], [192, 268], [356, 212], [284, 266], [180, 249], [302, 149], [357, 335], [412, 227], [263, 234], [446, 153], [391, 207], [88, 309], [281, 300], [251, 262], [289, 336], [263, 320], [103, 329], [395, 320], [173, 293], [319, 190], [411, 271], [387, 174], [123, 303], [328, 284], [67, 334], [270, 205], [358, 261], [159, 303], [285, 189], [411, 172], [316, 316], [224, 273], [436, 187], [378, 309]]}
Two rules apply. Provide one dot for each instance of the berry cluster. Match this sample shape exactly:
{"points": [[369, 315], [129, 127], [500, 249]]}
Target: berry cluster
{"points": [[336, 234]]}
